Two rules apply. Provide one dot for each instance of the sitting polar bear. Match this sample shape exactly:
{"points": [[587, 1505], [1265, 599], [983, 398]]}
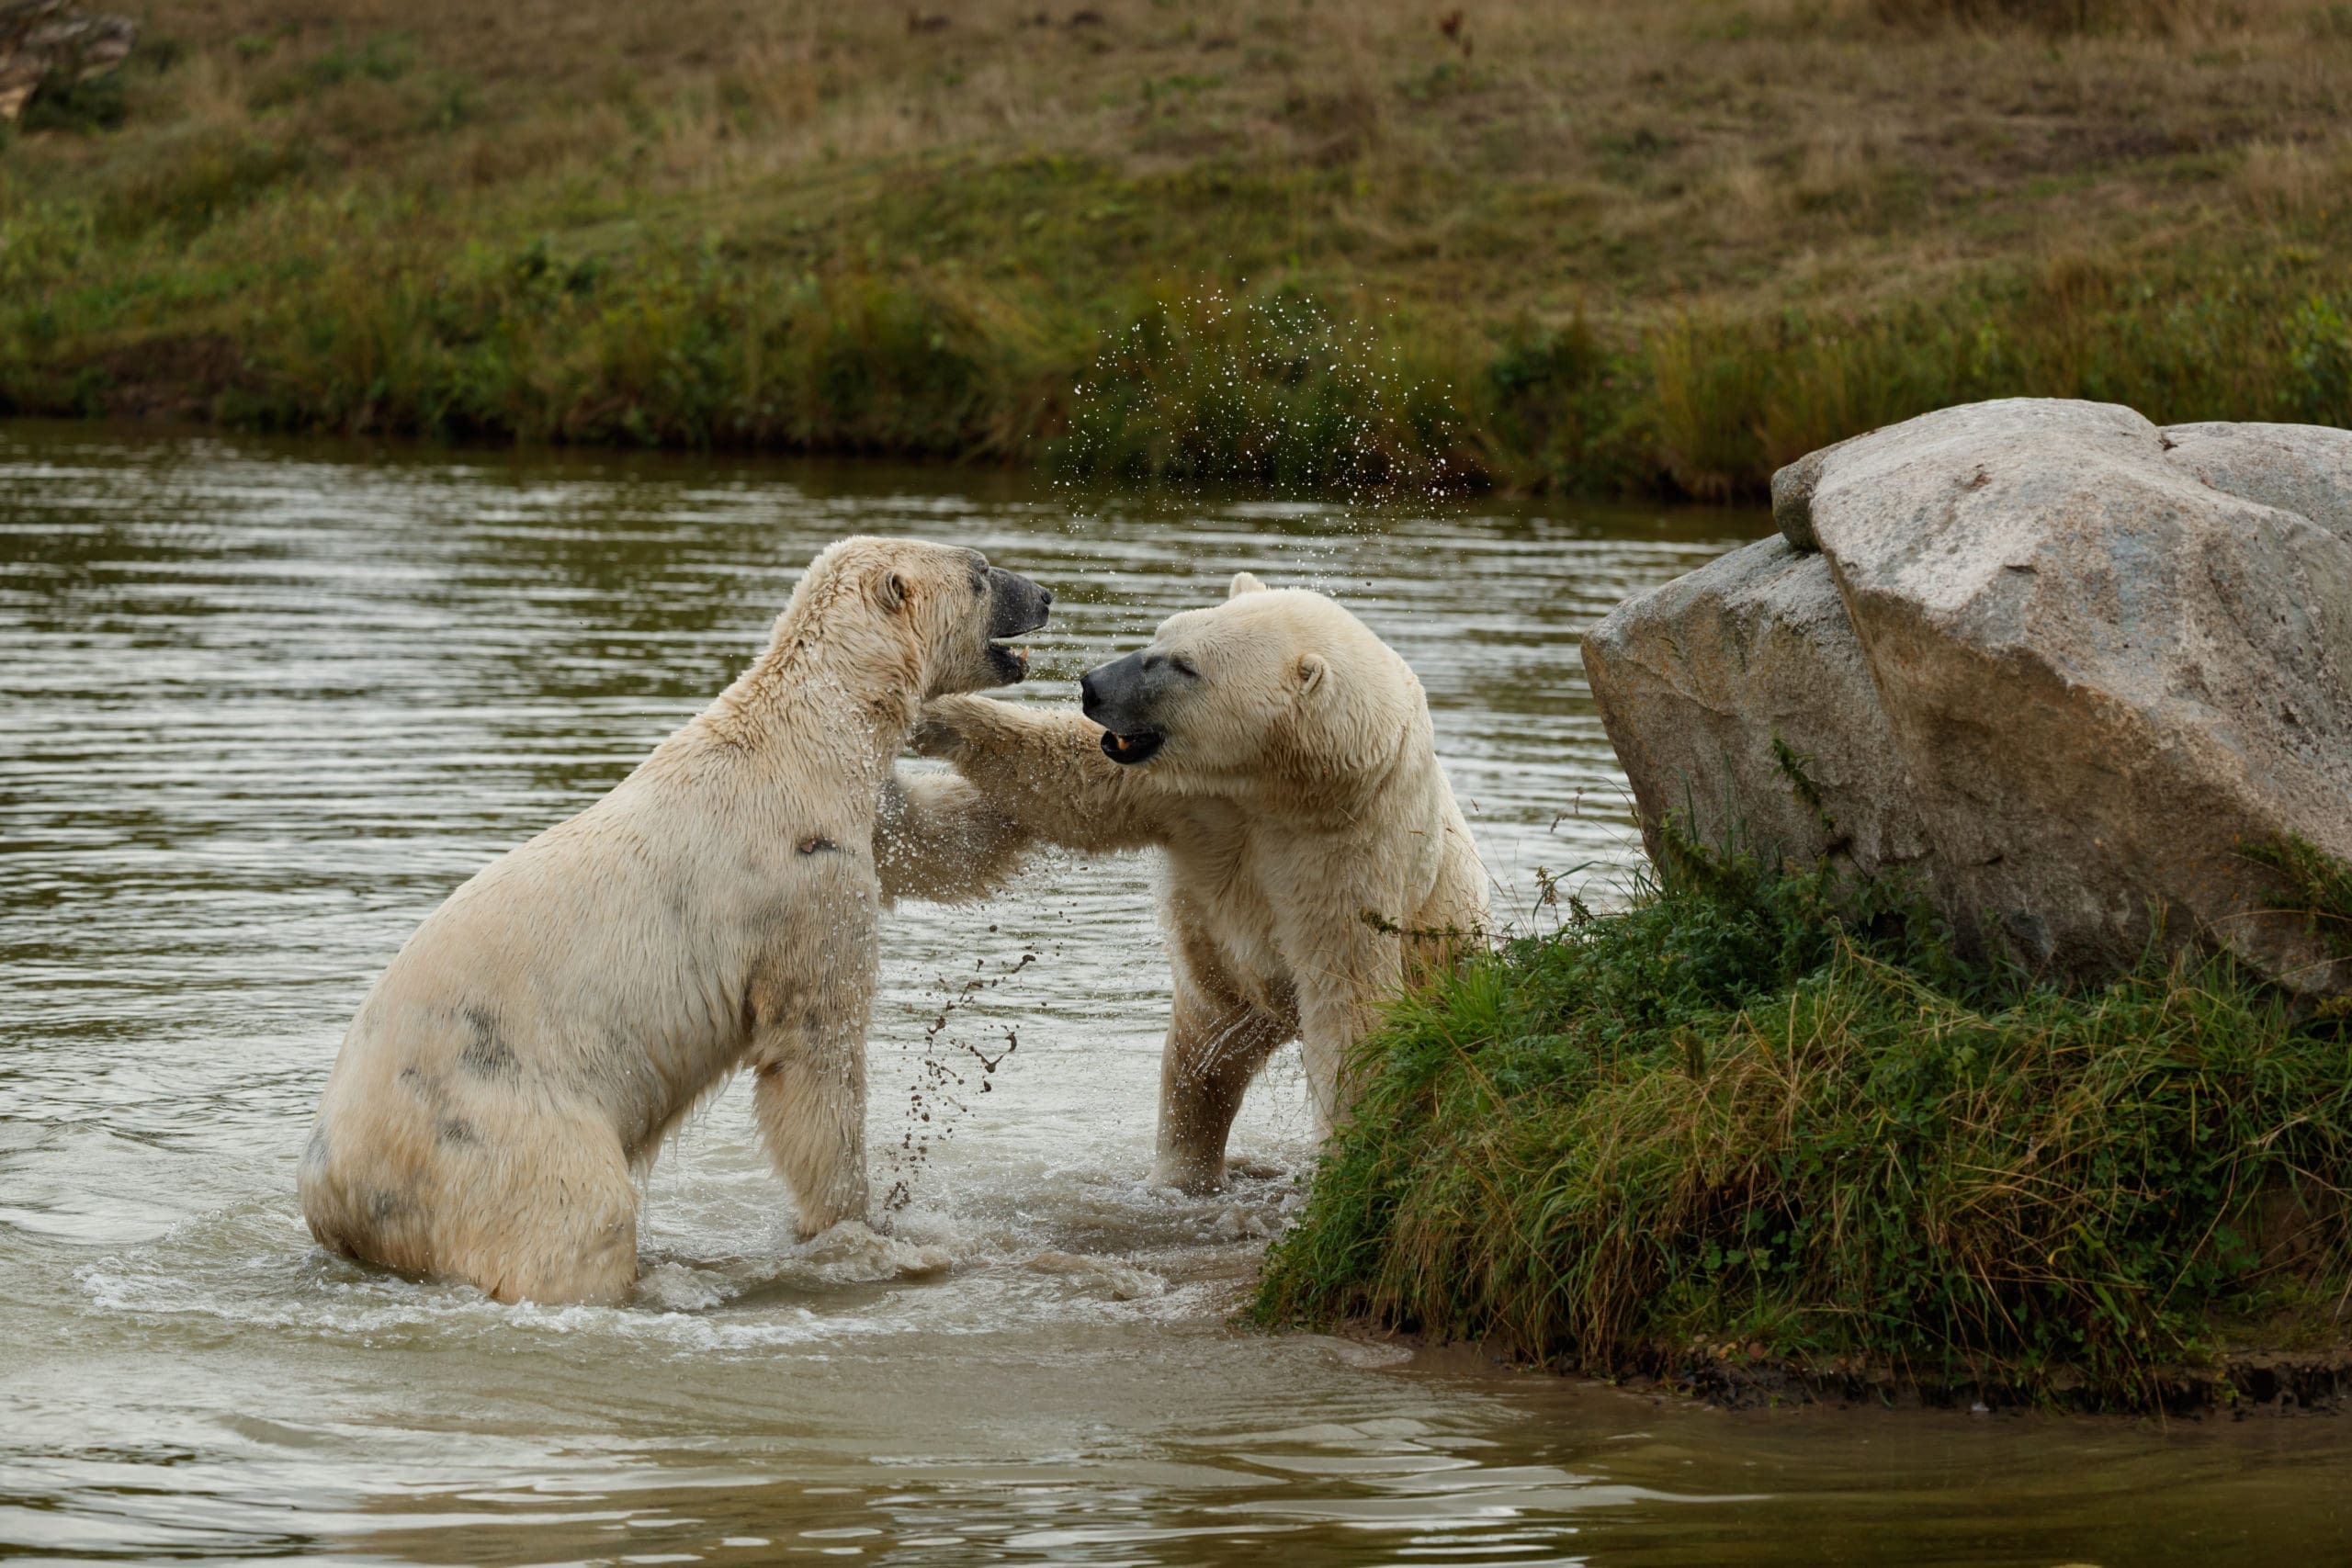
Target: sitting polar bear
{"points": [[547, 1026], [1316, 862]]}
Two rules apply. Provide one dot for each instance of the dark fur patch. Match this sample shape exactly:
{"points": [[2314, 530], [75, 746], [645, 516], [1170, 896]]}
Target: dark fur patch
{"points": [[384, 1205], [314, 1153], [455, 1129], [485, 1055]]}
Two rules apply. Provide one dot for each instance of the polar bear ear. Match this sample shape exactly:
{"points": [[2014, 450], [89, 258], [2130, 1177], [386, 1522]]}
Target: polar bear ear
{"points": [[1311, 671], [891, 592], [1244, 583]]}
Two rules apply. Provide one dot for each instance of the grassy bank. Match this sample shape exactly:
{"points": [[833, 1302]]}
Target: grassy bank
{"points": [[1617, 246], [1730, 1123]]}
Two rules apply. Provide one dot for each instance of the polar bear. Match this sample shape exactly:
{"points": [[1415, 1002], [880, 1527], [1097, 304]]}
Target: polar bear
{"points": [[543, 1031], [1281, 756]]}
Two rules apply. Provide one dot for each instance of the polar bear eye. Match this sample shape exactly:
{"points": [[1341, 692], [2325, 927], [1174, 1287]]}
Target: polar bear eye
{"points": [[1182, 666]]}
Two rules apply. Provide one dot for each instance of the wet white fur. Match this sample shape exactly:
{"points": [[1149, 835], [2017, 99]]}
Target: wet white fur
{"points": [[545, 1029], [1316, 860]]}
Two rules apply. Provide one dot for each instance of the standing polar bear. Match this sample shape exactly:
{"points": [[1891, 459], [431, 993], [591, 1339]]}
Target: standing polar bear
{"points": [[1316, 862], [546, 1028]]}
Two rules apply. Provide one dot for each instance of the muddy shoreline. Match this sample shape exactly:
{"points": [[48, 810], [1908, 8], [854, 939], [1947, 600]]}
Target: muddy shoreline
{"points": [[2242, 1385]]}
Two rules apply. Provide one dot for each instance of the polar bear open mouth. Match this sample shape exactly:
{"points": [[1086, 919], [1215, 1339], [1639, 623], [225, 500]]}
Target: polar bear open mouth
{"points": [[1132, 749]]}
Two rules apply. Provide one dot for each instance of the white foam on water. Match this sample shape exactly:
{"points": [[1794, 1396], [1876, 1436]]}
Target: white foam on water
{"points": [[855, 1253], [1114, 1281], [995, 1243]]}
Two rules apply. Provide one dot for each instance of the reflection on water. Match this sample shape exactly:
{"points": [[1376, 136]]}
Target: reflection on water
{"points": [[266, 705]]}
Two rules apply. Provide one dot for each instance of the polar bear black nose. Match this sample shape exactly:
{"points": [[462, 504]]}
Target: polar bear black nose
{"points": [[1115, 694]]}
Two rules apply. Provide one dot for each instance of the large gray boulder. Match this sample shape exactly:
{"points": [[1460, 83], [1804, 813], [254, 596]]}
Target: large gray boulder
{"points": [[1713, 686], [2069, 667]]}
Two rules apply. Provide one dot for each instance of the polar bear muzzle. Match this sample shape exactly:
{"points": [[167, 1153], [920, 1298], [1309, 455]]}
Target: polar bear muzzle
{"points": [[1122, 697], [1016, 607]]}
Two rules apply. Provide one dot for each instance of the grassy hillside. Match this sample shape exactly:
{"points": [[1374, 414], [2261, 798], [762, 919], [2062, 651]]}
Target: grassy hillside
{"points": [[1624, 243]]}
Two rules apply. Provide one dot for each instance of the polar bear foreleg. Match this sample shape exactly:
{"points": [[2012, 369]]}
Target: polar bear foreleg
{"points": [[810, 1101], [937, 837], [1343, 983], [1044, 769]]}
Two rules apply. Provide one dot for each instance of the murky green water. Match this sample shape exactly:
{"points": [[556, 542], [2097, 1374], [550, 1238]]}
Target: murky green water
{"points": [[264, 707]]}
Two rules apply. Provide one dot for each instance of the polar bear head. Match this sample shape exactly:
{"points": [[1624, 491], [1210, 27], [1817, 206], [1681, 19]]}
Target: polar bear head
{"points": [[1273, 685], [924, 618]]}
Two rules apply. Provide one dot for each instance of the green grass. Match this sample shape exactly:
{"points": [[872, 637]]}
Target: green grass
{"points": [[2197, 337], [1616, 247], [2322, 887], [1750, 1111]]}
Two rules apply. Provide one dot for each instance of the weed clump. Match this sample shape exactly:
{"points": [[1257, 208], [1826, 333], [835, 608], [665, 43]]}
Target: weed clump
{"points": [[1754, 1107], [74, 105], [2321, 885]]}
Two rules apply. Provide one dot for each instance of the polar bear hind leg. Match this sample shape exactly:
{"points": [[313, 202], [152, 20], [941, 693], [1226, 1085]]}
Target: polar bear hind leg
{"points": [[1216, 1042], [535, 1204], [570, 1236]]}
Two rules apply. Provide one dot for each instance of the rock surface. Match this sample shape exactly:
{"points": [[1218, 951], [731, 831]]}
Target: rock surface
{"points": [[43, 41], [1698, 679], [2065, 665]]}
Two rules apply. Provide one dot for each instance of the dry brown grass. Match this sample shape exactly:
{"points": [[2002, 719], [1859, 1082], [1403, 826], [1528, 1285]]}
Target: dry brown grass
{"points": [[1625, 149], [1630, 166], [2281, 182]]}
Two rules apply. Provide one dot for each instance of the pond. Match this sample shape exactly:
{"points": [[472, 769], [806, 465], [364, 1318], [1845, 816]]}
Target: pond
{"points": [[267, 704]]}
